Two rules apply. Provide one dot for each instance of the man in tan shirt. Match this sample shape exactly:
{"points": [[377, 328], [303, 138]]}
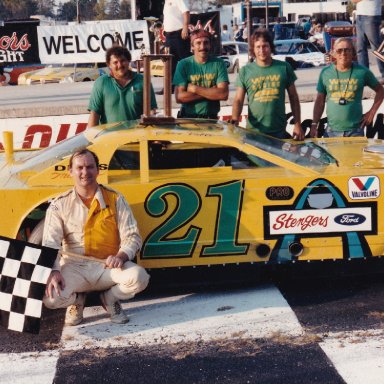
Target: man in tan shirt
{"points": [[92, 220]]}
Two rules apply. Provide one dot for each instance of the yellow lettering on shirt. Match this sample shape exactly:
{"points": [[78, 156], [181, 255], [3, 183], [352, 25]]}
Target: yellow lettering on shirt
{"points": [[206, 80], [266, 88]]}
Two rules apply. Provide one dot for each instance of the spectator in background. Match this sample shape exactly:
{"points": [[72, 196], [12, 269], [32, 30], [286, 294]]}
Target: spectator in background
{"points": [[306, 28], [368, 21], [175, 24], [245, 31], [235, 30], [278, 30], [225, 36], [239, 33], [340, 87], [317, 37]]}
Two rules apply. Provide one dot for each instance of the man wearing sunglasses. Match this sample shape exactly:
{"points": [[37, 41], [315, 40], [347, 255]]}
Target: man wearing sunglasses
{"points": [[340, 87]]}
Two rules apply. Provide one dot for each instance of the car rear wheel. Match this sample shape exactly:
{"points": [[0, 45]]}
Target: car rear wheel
{"points": [[36, 236]]}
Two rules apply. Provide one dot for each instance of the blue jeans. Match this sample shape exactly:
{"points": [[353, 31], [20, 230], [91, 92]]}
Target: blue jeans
{"points": [[358, 132], [368, 26]]}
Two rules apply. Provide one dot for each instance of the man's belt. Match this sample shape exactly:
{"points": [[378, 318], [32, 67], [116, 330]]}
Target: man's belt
{"points": [[182, 114], [173, 33]]}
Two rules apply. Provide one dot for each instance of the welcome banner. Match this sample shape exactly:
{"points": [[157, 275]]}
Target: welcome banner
{"points": [[87, 43]]}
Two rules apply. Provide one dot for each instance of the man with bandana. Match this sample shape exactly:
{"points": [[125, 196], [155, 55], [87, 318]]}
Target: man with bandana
{"points": [[201, 80]]}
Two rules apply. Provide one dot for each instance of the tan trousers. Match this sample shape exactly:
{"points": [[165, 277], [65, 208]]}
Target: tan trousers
{"points": [[86, 276]]}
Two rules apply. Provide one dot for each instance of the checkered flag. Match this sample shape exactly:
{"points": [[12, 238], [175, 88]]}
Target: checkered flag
{"points": [[24, 271]]}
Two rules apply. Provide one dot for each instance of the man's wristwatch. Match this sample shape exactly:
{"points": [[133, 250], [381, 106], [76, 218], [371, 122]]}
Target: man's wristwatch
{"points": [[316, 125]]}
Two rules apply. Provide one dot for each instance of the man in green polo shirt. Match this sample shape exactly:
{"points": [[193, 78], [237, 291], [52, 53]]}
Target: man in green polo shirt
{"points": [[340, 87], [118, 96]]}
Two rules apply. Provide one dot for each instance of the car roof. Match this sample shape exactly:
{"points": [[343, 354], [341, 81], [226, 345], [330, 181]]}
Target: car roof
{"points": [[234, 42], [290, 41]]}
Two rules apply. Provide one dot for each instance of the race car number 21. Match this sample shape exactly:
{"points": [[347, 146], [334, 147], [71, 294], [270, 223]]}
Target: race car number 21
{"points": [[160, 242]]}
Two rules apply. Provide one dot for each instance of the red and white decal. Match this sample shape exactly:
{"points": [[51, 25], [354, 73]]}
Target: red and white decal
{"points": [[320, 221], [364, 187]]}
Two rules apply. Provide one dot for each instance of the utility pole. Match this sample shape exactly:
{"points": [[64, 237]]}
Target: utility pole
{"points": [[78, 12], [133, 9], [249, 27]]}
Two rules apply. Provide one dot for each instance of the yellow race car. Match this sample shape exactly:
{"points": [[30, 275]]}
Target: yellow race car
{"points": [[66, 73], [206, 192]]}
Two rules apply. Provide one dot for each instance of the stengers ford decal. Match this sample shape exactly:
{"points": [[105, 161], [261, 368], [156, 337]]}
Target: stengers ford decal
{"points": [[320, 220]]}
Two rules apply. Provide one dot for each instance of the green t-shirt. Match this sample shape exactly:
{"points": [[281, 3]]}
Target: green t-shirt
{"points": [[349, 85], [115, 103], [206, 75], [265, 87]]}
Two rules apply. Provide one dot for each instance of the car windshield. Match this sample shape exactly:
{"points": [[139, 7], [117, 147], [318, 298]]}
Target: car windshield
{"points": [[306, 154], [243, 48], [282, 48], [51, 155], [79, 65]]}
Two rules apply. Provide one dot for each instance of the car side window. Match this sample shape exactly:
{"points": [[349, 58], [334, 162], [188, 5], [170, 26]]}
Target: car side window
{"points": [[168, 155], [126, 157]]}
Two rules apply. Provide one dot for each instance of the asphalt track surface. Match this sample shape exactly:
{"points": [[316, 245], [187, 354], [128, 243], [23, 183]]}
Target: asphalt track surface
{"points": [[322, 323]]}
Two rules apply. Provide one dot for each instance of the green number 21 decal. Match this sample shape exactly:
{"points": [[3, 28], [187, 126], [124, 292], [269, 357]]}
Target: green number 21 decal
{"points": [[161, 243]]}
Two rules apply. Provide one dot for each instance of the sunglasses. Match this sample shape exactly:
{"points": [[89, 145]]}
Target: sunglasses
{"points": [[339, 51]]}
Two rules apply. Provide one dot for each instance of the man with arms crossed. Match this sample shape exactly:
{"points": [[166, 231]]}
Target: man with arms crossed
{"points": [[265, 81], [92, 220], [119, 95], [201, 80], [341, 86]]}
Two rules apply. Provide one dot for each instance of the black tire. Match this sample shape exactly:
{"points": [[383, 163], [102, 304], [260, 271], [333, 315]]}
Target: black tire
{"points": [[36, 236]]}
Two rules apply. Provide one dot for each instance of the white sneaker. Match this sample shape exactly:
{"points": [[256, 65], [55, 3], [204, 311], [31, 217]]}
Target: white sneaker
{"points": [[74, 314], [113, 307]]}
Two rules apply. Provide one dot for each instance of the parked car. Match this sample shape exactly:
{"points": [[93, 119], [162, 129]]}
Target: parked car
{"points": [[64, 73], [9, 74], [300, 50], [157, 66], [236, 52], [206, 192]]}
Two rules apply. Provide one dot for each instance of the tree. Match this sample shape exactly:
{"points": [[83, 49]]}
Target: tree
{"points": [[46, 7], [100, 10], [149, 8], [125, 10], [114, 9], [67, 11], [20, 9]]}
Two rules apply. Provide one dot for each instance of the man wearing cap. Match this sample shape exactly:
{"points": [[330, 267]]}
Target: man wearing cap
{"points": [[201, 80]]}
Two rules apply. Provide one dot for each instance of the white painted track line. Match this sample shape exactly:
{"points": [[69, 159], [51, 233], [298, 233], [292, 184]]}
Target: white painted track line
{"points": [[252, 313], [358, 356], [28, 368]]}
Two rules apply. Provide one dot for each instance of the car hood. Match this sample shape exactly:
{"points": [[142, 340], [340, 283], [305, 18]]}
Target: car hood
{"points": [[311, 157]]}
